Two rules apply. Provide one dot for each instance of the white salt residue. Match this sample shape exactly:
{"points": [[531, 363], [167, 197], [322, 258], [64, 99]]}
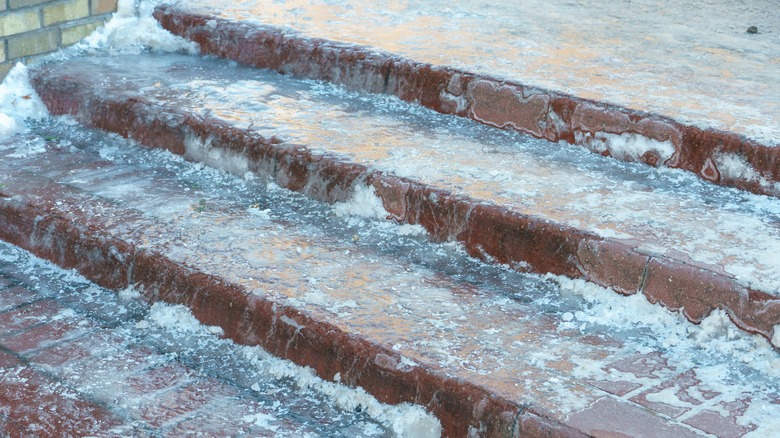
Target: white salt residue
{"points": [[203, 151], [776, 336], [132, 30], [669, 396], [406, 420], [364, 203], [18, 102], [626, 146], [262, 214]]}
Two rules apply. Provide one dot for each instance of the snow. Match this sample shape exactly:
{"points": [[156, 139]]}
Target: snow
{"points": [[132, 29], [364, 203], [629, 147], [405, 420], [18, 101]]}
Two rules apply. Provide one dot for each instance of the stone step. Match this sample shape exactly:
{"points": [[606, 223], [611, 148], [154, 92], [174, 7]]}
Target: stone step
{"points": [[508, 198], [481, 87], [489, 351]]}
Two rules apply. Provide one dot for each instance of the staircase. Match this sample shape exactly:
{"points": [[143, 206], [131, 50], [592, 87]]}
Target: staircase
{"points": [[430, 234]]}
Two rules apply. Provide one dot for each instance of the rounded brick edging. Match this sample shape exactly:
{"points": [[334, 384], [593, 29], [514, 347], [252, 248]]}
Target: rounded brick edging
{"points": [[489, 232], [598, 126], [284, 331]]}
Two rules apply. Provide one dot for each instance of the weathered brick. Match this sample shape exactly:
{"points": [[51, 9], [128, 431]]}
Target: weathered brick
{"points": [[33, 44], [74, 34], [2, 51], [61, 12], [24, 3], [103, 6], [4, 69], [27, 316], [16, 296], [19, 22]]}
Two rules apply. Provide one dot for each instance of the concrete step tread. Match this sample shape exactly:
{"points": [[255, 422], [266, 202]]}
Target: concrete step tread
{"points": [[422, 72], [372, 304], [510, 198]]}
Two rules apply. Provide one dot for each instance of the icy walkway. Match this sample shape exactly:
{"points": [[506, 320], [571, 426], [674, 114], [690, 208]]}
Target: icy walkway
{"points": [[79, 360], [697, 64], [674, 109], [374, 304], [508, 197]]}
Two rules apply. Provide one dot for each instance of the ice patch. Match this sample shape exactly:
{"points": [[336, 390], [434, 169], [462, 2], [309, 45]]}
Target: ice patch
{"points": [[262, 420], [202, 150], [18, 102], [133, 30], [716, 334], [364, 203], [733, 166], [177, 319], [627, 146]]}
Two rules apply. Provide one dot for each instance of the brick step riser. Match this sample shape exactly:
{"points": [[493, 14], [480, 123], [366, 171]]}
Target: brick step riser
{"points": [[502, 104], [489, 232], [253, 320]]}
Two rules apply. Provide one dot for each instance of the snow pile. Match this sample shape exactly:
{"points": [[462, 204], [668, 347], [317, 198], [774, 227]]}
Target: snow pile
{"points": [[133, 30], [406, 420], [18, 102]]}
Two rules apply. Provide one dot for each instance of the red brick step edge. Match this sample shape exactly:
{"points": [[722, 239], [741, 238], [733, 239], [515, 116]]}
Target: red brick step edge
{"points": [[503, 104], [489, 232], [81, 243]]}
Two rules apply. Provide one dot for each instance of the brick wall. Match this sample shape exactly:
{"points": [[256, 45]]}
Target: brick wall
{"points": [[32, 28]]}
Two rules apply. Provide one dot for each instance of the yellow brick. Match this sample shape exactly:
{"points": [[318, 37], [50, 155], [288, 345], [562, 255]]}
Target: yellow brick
{"points": [[18, 22], [16, 4], [33, 44], [71, 35], [68, 11], [4, 69], [102, 6]]}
